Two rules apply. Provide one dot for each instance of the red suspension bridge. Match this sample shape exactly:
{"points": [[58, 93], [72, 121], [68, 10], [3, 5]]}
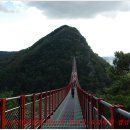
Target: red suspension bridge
{"points": [[58, 109]]}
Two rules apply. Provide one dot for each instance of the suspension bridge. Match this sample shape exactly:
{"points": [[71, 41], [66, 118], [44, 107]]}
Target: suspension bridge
{"points": [[59, 109]]}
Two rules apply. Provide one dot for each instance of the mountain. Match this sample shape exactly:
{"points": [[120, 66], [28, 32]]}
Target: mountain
{"points": [[47, 64], [109, 59]]}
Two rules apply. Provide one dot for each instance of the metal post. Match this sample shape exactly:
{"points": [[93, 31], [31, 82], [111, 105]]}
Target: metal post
{"points": [[22, 121], [102, 111], [62, 94], [46, 113], [2, 113], [49, 105], [120, 118], [91, 111], [34, 111], [87, 112], [114, 120], [40, 112], [57, 98], [84, 103], [52, 102], [85, 107], [44, 116], [99, 113]]}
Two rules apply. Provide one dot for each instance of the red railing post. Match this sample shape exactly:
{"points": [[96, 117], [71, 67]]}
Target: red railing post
{"points": [[63, 94], [87, 112], [22, 121], [44, 105], [114, 119], [91, 111], [57, 98], [40, 112], [46, 113], [65, 91], [85, 104], [49, 105], [84, 101], [113, 114], [34, 112], [52, 102], [2, 113], [98, 113]]}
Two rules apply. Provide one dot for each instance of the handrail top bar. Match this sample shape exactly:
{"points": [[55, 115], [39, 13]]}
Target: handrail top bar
{"points": [[37, 94], [106, 103], [123, 112], [95, 97], [11, 98], [28, 95]]}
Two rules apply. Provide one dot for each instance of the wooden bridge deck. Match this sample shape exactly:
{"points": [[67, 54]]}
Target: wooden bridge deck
{"points": [[67, 116]]}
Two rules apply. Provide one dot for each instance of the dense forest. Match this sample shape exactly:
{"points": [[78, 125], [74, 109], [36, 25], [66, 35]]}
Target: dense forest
{"points": [[119, 90], [47, 64]]}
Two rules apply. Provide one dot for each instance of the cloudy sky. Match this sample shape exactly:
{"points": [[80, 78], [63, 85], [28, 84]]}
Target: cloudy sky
{"points": [[104, 24]]}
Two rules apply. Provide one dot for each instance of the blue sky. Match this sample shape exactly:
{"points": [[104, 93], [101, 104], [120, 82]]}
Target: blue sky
{"points": [[105, 25]]}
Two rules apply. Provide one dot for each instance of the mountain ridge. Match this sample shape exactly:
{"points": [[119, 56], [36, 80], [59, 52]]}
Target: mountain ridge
{"points": [[48, 62]]}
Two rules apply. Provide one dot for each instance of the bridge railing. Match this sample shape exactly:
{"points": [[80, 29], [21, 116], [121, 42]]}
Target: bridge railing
{"points": [[30, 111], [100, 114]]}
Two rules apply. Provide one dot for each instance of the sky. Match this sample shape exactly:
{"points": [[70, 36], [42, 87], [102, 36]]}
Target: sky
{"points": [[104, 24]]}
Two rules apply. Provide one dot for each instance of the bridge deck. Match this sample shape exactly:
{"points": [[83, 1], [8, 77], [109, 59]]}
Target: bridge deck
{"points": [[67, 116]]}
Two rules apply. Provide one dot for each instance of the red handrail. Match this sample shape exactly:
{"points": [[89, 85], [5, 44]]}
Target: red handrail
{"points": [[100, 114], [30, 111]]}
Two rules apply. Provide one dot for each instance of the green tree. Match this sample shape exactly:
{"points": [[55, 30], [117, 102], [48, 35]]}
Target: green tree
{"points": [[119, 91], [121, 63]]}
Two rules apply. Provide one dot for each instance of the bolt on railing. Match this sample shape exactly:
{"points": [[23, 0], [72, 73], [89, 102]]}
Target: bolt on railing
{"points": [[30, 111]]}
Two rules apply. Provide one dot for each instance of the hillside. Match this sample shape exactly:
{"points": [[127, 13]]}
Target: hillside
{"points": [[47, 64]]}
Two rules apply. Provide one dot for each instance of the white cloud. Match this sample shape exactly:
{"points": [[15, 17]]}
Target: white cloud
{"points": [[104, 34], [79, 9]]}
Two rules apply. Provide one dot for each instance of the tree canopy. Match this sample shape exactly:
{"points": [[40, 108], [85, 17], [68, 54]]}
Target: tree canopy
{"points": [[119, 91]]}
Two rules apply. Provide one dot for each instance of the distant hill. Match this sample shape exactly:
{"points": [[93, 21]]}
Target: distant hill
{"points": [[47, 64], [5, 54], [109, 59]]}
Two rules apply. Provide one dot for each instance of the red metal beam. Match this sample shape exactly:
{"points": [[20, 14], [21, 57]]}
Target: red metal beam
{"points": [[2, 113]]}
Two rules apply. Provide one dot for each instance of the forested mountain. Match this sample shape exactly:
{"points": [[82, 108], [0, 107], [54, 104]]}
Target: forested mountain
{"points": [[47, 64]]}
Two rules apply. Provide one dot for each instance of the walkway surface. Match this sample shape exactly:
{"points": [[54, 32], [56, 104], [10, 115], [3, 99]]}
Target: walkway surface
{"points": [[67, 116]]}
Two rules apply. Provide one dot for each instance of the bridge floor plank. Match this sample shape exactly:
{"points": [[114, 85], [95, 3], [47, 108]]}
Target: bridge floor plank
{"points": [[67, 116]]}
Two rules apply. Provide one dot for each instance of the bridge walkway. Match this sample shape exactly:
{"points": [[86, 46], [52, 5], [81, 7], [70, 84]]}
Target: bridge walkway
{"points": [[67, 116]]}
